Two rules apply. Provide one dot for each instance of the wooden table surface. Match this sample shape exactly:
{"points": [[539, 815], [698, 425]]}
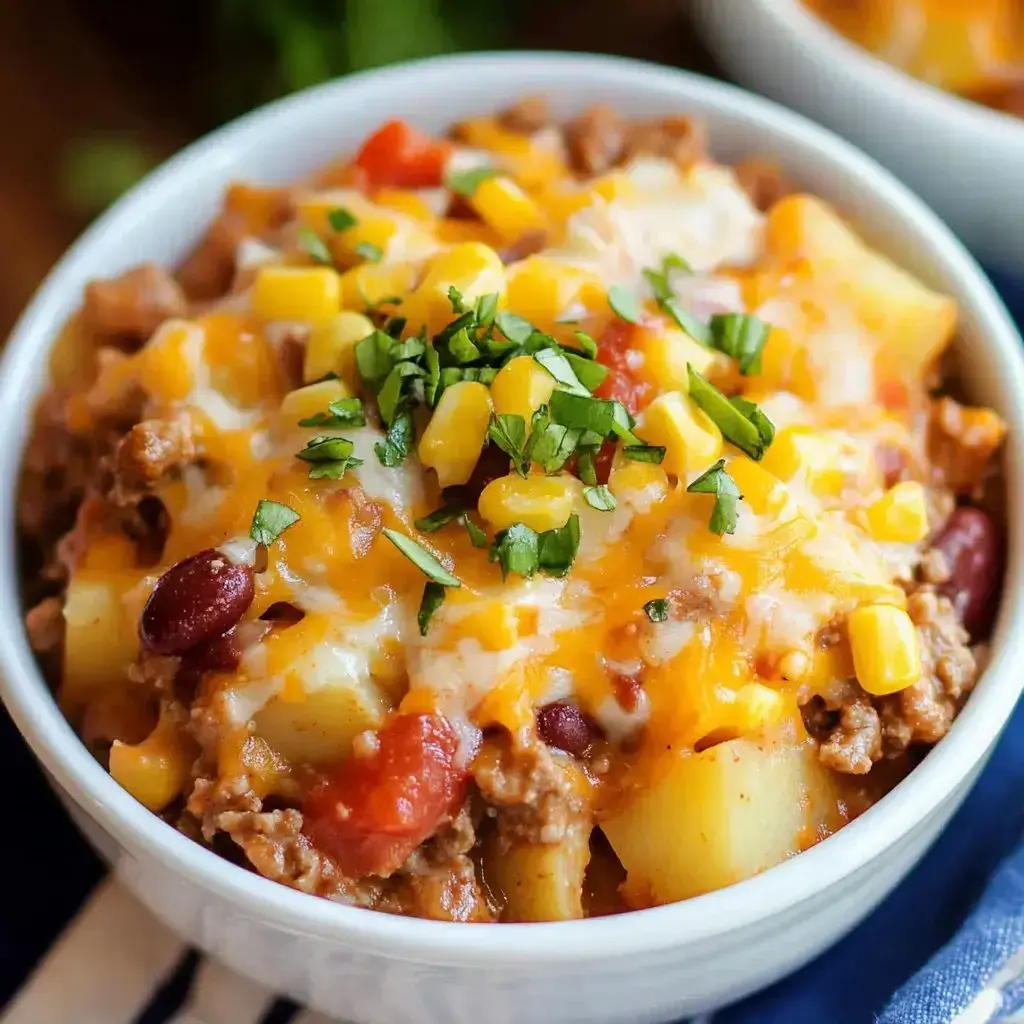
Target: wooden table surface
{"points": [[65, 75]]}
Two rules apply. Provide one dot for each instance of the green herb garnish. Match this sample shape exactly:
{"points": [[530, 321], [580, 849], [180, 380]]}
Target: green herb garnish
{"points": [[514, 327], [599, 497], [341, 219], [557, 364], [659, 279], [587, 344], [331, 457], [508, 432], [465, 183], [433, 597], [314, 246], [657, 610], [654, 453], [717, 481], [398, 442], [421, 558], [343, 412], [741, 336], [370, 252], [624, 304], [557, 548], [270, 520], [741, 422], [687, 322], [516, 550]]}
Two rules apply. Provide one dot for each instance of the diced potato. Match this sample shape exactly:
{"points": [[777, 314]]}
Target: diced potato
{"points": [[319, 729], [331, 345], [455, 435], [541, 881], [900, 515], [101, 639], [720, 816], [472, 268], [915, 322]]}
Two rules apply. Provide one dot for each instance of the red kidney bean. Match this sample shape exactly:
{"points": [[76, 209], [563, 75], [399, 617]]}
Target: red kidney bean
{"points": [[970, 544], [195, 601], [566, 727]]}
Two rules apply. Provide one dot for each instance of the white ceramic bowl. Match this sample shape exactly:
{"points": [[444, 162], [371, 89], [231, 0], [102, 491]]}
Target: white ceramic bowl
{"points": [[961, 157], [654, 965]]}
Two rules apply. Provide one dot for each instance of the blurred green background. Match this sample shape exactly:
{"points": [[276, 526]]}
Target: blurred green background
{"points": [[93, 93]]}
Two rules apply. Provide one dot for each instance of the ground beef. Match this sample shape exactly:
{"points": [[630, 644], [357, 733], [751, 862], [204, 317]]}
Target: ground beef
{"points": [[131, 307], [529, 115], [961, 443], [680, 139], [452, 894], [150, 451], [856, 743], [595, 140], [45, 625], [764, 181], [534, 797], [454, 839], [276, 847], [923, 713], [209, 269]]}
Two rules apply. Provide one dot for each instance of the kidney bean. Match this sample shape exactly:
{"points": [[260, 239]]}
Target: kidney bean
{"points": [[195, 601], [564, 726], [970, 544]]}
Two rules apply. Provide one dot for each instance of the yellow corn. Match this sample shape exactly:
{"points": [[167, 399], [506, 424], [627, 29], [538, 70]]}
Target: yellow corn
{"points": [[900, 515], [374, 231], [758, 707], [666, 354], [818, 456], [691, 439], [642, 484], [521, 387], [765, 493], [154, 771], [372, 283], [472, 268], [542, 289], [886, 657], [404, 201], [313, 209], [331, 343], [454, 437], [503, 205], [307, 401], [540, 502], [296, 293]]}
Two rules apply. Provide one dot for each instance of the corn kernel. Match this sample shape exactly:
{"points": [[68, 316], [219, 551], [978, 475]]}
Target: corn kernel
{"points": [[641, 484], [521, 387], [154, 771], [313, 209], [304, 402], [900, 515], [376, 231], [886, 656], [331, 344], [542, 289], [404, 201], [758, 707], [503, 205], [667, 353], [472, 268], [765, 493], [691, 439], [373, 283], [296, 293], [454, 437], [818, 456], [539, 502], [793, 666]]}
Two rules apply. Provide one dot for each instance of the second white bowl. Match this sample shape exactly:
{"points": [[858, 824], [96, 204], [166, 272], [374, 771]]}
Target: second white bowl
{"points": [[964, 159]]}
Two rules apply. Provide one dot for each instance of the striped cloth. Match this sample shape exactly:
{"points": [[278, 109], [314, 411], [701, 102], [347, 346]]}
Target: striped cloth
{"points": [[949, 942]]}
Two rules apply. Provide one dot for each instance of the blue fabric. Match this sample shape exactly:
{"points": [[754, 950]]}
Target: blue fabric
{"points": [[854, 982]]}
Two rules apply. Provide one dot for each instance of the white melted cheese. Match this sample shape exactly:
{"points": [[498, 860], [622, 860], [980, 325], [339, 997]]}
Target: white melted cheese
{"points": [[660, 642], [202, 499], [703, 216], [618, 723], [401, 487], [778, 619]]}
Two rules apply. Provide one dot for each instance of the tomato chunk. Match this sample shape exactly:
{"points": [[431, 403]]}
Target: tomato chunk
{"points": [[374, 810], [623, 384], [397, 155]]}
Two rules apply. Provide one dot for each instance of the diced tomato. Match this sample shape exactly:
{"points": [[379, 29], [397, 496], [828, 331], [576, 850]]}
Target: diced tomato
{"points": [[374, 810], [622, 384], [398, 155], [893, 394], [603, 462]]}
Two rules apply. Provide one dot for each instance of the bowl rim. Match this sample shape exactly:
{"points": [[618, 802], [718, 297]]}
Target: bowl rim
{"points": [[724, 912], [817, 34]]}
